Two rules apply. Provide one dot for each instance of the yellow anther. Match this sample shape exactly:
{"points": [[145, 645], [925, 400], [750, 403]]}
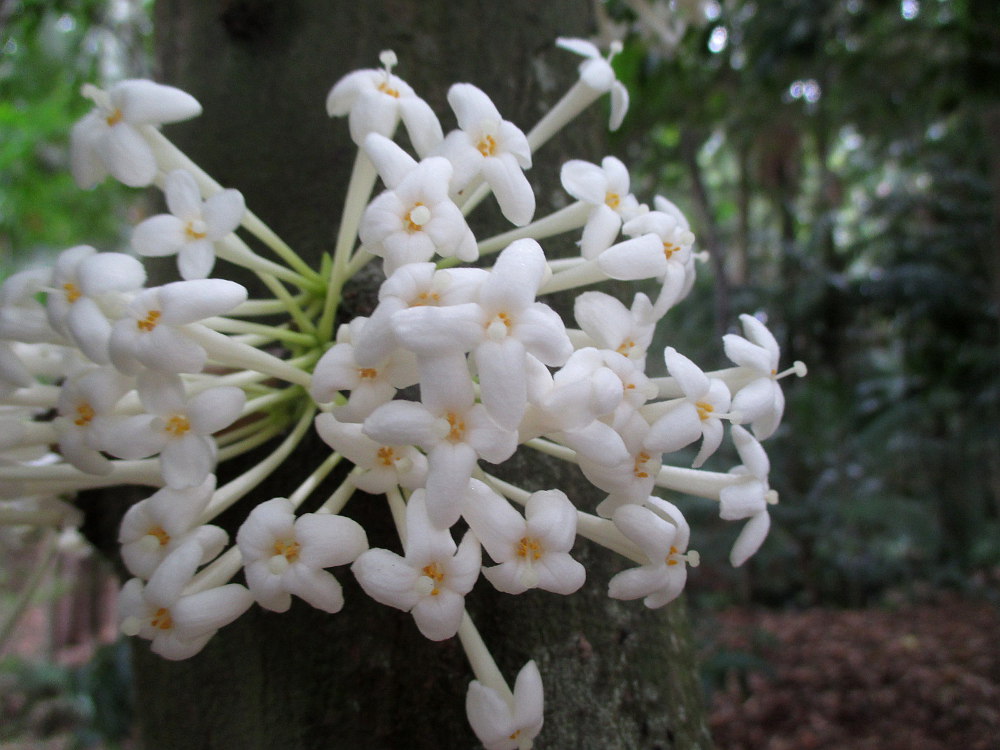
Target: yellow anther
{"points": [[529, 546], [193, 232], [367, 373], [162, 619], [487, 145], [669, 248], [416, 226], [704, 409], [73, 292], [385, 88], [457, 432], [426, 298], [84, 413], [148, 323], [671, 559], [434, 572], [159, 533], [612, 200], [287, 548], [386, 455], [114, 118], [178, 425], [626, 347], [639, 468]]}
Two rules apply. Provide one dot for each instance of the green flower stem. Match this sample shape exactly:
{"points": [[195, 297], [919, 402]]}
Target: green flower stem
{"points": [[262, 307], [584, 274], [31, 586], [397, 506], [266, 402], [360, 257], [483, 665], [43, 396], [574, 101], [228, 494], [169, 157], [280, 333], [313, 480], [271, 428], [292, 307], [231, 248], [56, 478], [218, 573], [565, 219], [226, 351], [338, 499], [697, 482]]}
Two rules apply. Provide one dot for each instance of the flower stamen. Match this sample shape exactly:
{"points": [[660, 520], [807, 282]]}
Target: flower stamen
{"points": [[148, 323]]}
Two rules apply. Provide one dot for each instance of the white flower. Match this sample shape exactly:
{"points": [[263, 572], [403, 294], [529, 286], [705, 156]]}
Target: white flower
{"points": [[415, 218], [432, 578], [370, 386], [153, 528], [285, 555], [596, 73], [192, 227], [748, 497], [151, 334], [87, 296], [22, 316], [377, 99], [454, 430], [178, 625], [109, 138], [486, 144], [86, 400], [629, 479], [532, 551], [385, 466], [610, 325], [606, 188], [759, 399], [504, 725], [661, 532], [177, 428], [696, 415]]}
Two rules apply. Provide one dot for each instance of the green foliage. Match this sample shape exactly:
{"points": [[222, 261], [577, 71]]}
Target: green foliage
{"points": [[48, 50], [851, 160]]}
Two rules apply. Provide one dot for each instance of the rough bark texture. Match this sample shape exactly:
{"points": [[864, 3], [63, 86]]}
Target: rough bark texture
{"points": [[616, 675]]}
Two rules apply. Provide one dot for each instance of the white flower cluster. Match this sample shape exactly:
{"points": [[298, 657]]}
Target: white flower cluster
{"points": [[106, 381]]}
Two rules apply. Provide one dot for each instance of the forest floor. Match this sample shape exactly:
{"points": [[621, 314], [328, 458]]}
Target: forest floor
{"points": [[912, 677]]}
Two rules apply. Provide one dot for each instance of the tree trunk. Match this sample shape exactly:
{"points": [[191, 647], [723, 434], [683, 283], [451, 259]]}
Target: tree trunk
{"points": [[615, 674]]}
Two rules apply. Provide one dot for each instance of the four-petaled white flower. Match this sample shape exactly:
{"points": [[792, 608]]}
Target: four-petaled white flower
{"points": [[110, 140], [376, 100], [532, 550], [86, 401], [385, 466], [748, 496], [487, 145], [596, 73], [178, 428], [698, 414], [192, 227], [662, 533], [611, 325], [179, 625], [504, 724], [153, 528], [432, 578], [151, 331], [285, 555], [606, 189]]}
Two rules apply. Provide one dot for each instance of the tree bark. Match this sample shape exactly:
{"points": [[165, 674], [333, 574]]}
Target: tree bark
{"points": [[615, 674]]}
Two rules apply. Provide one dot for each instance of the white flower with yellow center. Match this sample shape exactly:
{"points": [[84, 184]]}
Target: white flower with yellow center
{"points": [[109, 139], [153, 528], [192, 227], [178, 625], [698, 415], [430, 580], [376, 100], [662, 533], [285, 555], [87, 294], [178, 428], [86, 401], [486, 145], [605, 189], [610, 325], [507, 723], [597, 74], [384, 466], [151, 332], [532, 550]]}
